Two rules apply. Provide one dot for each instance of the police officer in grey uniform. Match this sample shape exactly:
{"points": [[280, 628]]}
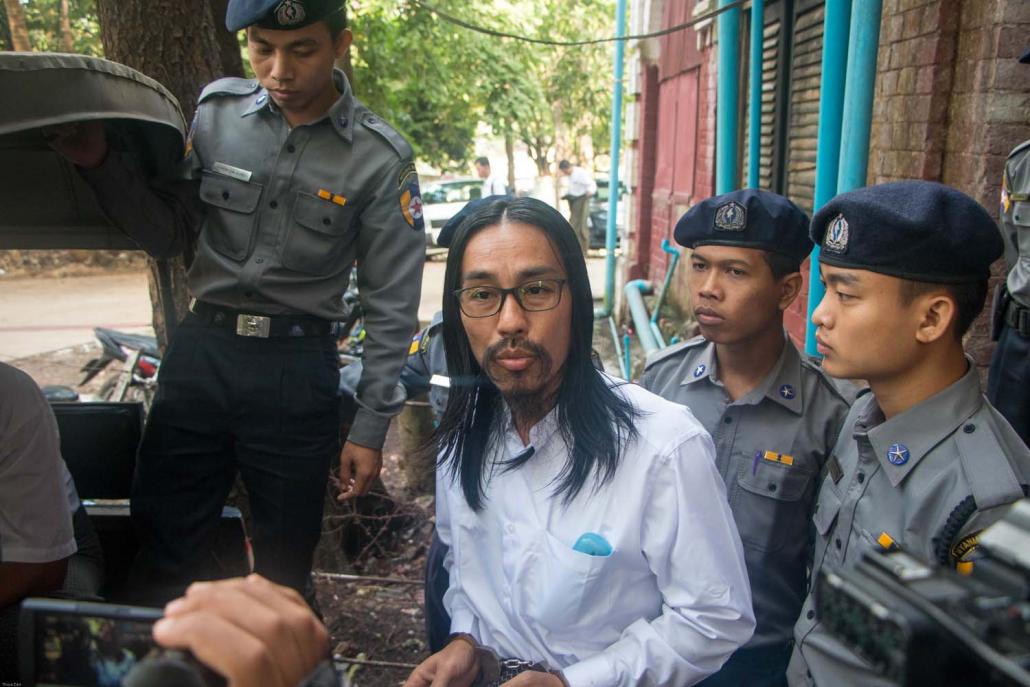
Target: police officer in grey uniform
{"points": [[924, 462], [288, 180], [1008, 385], [773, 414]]}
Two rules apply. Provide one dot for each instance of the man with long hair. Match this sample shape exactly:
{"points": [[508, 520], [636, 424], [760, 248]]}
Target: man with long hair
{"points": [[590, 538]]}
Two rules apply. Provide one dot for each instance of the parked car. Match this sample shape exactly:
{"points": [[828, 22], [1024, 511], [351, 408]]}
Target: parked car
{"points": [[599, 213], [442, 200]]}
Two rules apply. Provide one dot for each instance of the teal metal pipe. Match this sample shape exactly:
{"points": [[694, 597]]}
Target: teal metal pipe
{"points": [[613, 174], [728, 102], [836, 26], [635, 291], [864, 41], [755, 115]]}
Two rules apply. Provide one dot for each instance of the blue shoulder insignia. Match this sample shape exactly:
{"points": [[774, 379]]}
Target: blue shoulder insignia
{"points": [[374, 122], [670, 351], [230, 85]]}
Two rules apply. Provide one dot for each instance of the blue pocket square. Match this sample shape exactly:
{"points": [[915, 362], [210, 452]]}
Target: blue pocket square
{"points": [[592, 544]]}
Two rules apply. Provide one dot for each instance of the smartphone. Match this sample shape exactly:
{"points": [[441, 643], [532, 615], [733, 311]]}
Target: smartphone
{"points": [[80, 644]]}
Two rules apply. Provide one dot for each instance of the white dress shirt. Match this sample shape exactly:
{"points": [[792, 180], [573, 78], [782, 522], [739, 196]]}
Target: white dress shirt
{"points": [[581, 183], [667, 607], [494, 186]]}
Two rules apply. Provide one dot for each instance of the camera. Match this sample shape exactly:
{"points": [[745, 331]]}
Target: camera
{"points": [[73, 644], [922, 625]]}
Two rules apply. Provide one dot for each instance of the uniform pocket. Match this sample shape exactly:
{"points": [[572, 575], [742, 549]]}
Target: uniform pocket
{"points": [[826, 508], [559, 581], [317, 236], [230, 223], [770, 510]]}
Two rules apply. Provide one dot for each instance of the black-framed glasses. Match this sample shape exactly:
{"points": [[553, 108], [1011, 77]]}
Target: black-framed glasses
{"points": [[533, 296]]}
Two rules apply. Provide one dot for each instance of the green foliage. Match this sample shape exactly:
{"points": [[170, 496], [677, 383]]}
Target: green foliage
{"points": [[436, 81], [44, 24]]}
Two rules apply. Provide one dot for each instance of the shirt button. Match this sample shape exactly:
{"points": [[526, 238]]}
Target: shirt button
{"points": [[248, 294], [326, 221], [219, 317], [810, 615], [969, 429], [836, 542], [772, 487], [861, 477], [225, 195], [273, 204], [259, 260], [291, 148], [728, 420]]}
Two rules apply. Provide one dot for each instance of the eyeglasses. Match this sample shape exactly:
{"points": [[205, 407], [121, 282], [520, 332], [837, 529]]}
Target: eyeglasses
{"points": [[534, 296]]}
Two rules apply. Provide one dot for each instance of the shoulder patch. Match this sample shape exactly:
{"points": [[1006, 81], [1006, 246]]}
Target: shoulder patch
{"points": [[374, 122], [229, 85], [1020, 148], [670, 351]]}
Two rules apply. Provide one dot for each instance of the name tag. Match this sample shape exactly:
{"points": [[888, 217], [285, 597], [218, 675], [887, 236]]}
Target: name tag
{"points": [[440, 380], [836, 471], [230, 171]]}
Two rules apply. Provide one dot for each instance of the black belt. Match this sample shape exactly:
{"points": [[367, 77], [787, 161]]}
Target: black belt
{"points": [[1018, 318], [260, 326]]}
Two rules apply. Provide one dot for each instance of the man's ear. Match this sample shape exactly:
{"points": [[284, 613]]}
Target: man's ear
{"points": [[343, 43], [789, 287], [937, 313]]}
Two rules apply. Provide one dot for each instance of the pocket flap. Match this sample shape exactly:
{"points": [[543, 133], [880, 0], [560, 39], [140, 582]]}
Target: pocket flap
{"points": [[775, 480], [322, 216], [228, 193], [826, 507]]}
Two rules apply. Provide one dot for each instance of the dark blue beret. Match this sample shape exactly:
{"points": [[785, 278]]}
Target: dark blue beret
{"points": [[278, 14], [750, 218], [447, 233], [918, 230]]}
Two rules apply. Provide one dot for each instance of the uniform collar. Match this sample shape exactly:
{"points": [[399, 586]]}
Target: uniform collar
{"points": [[901, 442], [341, 114], [782, 384]]}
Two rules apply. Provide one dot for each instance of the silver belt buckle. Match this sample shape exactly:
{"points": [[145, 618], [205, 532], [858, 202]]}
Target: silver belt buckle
{"points": [[253, 325]]}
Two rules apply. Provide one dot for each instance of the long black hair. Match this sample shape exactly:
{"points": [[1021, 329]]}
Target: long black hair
{"points": [[595, 421]]}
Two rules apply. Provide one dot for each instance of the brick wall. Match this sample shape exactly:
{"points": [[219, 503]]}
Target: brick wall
{"points": [[952, 101]]}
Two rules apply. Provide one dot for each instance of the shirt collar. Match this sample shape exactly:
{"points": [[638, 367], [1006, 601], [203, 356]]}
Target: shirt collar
{"points": [[901, 442], [341, 114], [540, 434], [782, 384]]}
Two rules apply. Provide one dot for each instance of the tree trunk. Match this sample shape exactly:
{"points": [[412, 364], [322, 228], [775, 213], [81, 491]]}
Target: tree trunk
{"points": [[509, 151], [6, 43], [67, 43], [229, 46], [175, 42], [16, 23]]}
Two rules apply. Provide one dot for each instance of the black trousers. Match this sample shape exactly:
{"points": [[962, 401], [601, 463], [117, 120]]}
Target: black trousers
{"points": [[265, 408], [438, 621], [1008, 382]]}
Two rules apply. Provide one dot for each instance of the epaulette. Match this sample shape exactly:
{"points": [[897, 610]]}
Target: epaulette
{"points": [[672, 350], [229, 85], [374, 122], [843, 389], [1020, 148]]}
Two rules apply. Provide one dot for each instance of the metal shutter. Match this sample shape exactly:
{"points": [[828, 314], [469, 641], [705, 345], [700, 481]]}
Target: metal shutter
{"points": [[803, 131]]}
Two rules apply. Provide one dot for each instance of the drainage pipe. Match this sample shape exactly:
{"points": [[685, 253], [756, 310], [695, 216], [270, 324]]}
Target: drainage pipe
{"points": [[613, 174], [864, 41], [755, 115], [635, 291], [728, 100], [831, 111]]}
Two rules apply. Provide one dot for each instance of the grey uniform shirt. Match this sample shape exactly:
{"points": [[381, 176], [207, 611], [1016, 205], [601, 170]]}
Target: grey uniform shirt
{"points": [[282, 213], [904, 477], [1015, 222], [770, 446]]}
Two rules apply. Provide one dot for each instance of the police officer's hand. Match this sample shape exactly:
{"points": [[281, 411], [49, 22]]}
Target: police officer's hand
{"points": [[453, 666], [249, 630], [359, 467], [82, 143]]}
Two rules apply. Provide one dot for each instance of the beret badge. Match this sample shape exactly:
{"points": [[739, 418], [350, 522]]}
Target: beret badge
{"points": [[290, 12], [836, 239], [731, 216]]}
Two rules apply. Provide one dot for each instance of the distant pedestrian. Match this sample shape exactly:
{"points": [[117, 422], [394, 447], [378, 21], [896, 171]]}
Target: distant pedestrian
{"points": [[581, 189], [493, 184]]}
